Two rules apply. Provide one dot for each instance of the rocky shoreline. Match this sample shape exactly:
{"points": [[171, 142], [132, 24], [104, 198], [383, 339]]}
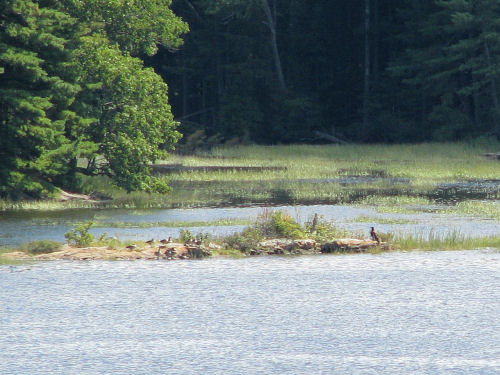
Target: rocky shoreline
{"points": [[180, 251]]}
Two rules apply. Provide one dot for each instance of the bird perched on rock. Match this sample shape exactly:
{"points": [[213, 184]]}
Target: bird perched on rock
{"points": [[374, 235]]}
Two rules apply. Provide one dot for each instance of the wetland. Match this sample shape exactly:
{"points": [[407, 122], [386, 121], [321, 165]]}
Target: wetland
{"points": [[414, 191], [385, 311]]}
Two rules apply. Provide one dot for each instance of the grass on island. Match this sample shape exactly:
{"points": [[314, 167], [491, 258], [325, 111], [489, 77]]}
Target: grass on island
{"points": [[271, 225], [306, 174]]}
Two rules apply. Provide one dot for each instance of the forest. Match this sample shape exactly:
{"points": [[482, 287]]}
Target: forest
{"points": [[280, 71], [103, 87]]}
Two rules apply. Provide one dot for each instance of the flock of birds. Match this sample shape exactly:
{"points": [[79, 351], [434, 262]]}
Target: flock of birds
{"points": [[170, 251]]}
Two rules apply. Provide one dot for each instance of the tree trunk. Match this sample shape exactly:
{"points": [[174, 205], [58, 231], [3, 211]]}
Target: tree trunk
{"points": [[271, 23], [376, 44], [494, 94], [366, 88], [184, 86]]}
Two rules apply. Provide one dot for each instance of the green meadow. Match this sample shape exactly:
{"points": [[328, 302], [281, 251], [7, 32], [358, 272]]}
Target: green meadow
{"points": [[392, 177]]}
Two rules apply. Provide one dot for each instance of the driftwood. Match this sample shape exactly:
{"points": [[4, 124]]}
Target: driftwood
{"points": [[492, 155]]}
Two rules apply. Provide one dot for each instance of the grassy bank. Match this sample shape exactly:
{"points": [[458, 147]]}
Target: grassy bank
{"points": [[307, 174]]}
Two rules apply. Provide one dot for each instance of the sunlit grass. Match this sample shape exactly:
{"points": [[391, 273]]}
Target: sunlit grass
{"points": [[310, 174], [450, 241]]}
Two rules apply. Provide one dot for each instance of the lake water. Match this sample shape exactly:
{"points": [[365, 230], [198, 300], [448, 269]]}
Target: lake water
{"points": [[19, 227], [393, 313]]}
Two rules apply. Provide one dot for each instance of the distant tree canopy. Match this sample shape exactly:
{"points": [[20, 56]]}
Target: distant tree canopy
{"points": [[82, 82], [273, 71], [75, 97]]}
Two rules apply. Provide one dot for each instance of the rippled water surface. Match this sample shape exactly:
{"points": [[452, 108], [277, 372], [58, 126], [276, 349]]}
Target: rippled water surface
{"points": [[395, 313]]}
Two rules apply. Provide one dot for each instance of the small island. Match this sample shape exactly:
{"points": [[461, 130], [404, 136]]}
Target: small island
{"points": [[273, 233]]}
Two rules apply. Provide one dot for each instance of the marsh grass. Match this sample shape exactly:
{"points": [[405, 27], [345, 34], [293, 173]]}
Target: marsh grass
{"points": [[489, 210], [451, 241], [398, 170], [396, 204], [383, 220], [307, 176]]}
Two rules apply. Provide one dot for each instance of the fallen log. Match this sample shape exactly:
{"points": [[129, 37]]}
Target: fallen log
{"points": [[492, 155]]}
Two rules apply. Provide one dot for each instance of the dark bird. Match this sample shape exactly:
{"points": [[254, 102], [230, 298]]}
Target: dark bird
{"points": [[374, 235], [131, 247], [150, 242], [164, 241]]}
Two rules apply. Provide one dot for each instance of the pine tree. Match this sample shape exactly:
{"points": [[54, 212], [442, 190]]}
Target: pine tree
{"points": [[455, 65], [36, 90]]}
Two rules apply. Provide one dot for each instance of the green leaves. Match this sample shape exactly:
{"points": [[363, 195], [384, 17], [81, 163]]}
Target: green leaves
{"points": [[69, 88], [32, 138], [137, 26], [133, 116]]}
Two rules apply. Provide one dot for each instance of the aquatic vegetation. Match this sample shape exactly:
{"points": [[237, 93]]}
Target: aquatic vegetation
{"points": [[41, 247], [383, 220], [490, 210], [170, 224], [396, 204]]}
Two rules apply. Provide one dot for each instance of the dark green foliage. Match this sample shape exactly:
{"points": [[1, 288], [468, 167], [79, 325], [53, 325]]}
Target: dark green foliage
{"points": [[69, 90], [453, 65], [41, 247], [429, 74], [36, 89], [75, 95]]}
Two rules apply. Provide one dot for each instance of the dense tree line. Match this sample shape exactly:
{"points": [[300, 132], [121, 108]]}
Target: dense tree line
{"points": [[76, 97], [361, 70], [83, 84]]}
